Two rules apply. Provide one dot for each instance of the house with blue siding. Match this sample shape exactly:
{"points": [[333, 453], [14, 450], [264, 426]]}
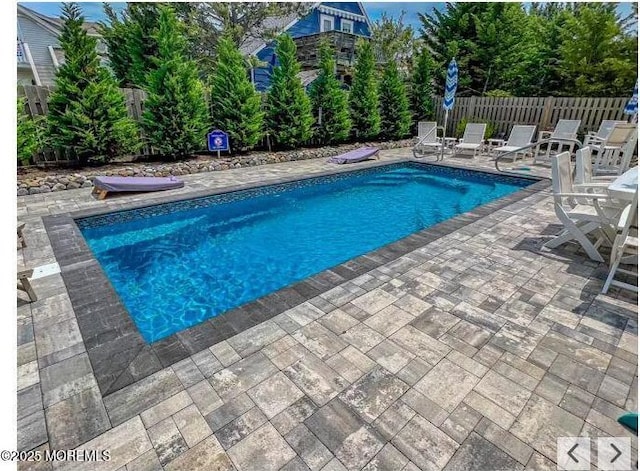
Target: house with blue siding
{"points": [[339, 23]]}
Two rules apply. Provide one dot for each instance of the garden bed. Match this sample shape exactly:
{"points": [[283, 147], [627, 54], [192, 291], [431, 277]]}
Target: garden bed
{"points": [[36, 180]]}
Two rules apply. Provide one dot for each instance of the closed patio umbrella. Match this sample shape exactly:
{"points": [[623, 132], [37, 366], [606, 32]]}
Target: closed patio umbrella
{"points": [[449, 96]]}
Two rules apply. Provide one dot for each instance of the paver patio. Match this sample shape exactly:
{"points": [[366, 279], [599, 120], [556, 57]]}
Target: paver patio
{"points": [[474, 351]]}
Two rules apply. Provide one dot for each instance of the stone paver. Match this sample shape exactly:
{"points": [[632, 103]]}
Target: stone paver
{"points": [[475, 349], [349, 438], [478, 453], [263, 450], [207, 455], [373, 393], [447, 384], [542, 422], [424, 444], [275, 394]]}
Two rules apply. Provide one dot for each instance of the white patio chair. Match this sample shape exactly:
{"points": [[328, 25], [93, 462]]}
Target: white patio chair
{"points": [[519, 137], [624, 245], [428, 139], [596, 138], [614, 153], [578, 219], [584, 170], [565, 129], [472, 139]]}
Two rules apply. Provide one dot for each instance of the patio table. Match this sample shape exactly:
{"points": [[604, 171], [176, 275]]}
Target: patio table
{"points": [[624, 187]]}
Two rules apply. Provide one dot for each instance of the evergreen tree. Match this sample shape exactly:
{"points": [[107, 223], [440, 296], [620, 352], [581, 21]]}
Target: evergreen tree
{"points": [[392, 39], [27, 134], [235, 104], [175, 119], [422, 86], [130, 41], [288, 116], [87, 112], [452, 33], [363, 97], [394, 105], [329, 102], [597, 58]]}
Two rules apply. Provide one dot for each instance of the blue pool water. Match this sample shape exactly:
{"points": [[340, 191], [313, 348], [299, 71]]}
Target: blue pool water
{"points": [[178, 264]]}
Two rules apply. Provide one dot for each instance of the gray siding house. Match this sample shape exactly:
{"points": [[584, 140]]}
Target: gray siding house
{"points": [[38, 49]]}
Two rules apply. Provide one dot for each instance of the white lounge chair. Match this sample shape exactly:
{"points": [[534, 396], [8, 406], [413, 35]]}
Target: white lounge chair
{"points": [[519, 137], [578, 219], [565, 129], [624, 245], [596, 138], [614, 153], [428, 139], [472, 139]]}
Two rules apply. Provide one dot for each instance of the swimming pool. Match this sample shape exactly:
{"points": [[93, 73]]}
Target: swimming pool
{"points": [[177, 264]]}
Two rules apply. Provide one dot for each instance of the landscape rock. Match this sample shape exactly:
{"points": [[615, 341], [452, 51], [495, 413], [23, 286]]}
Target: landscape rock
{"points": [[59, 179]]}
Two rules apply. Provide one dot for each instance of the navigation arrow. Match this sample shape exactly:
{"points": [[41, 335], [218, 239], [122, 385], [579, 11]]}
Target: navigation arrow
{"points": [[618, 453], [572, 450]]}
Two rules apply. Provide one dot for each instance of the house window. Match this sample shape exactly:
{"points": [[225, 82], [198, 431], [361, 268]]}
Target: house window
{"points": [[326, 23], [346, 26]]}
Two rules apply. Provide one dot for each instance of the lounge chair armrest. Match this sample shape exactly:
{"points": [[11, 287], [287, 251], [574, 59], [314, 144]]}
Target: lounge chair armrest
{"points": [[622, 222], [594, 185], [593, 196]]}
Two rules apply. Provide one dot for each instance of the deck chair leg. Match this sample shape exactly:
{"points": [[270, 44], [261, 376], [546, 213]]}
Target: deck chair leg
{"points": [[566, 235], [587, 246], [612, 272], [25, 285], [577, 233]]}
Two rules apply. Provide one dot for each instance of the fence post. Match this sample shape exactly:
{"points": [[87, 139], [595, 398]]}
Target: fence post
{"points": [[547, 110]]}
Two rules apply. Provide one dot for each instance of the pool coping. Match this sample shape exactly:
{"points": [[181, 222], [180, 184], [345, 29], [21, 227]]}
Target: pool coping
{"points": [[120, 356]]}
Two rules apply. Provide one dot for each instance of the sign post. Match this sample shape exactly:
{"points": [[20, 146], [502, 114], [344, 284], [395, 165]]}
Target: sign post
{"points": [[218, 140]]}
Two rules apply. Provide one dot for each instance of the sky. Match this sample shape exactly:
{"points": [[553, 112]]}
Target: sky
{"points": [[93, 10]]}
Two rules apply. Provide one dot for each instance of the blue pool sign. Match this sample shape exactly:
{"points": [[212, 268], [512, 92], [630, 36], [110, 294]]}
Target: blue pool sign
{"points": [[218, 140]]}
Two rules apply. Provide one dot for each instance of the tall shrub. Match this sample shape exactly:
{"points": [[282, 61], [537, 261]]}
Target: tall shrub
{"points": [[27, 134], [131, 47], [422, 86], [175, 119], [363, 98], [394, 105], [87, 112], [235, 104], [329, 102], [288, 115]]}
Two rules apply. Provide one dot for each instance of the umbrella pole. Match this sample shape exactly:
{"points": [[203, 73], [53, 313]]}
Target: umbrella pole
{"points": [[444, 134]]}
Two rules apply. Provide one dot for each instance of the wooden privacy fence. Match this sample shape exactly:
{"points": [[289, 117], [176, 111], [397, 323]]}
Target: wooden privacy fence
{"points": [[38, 96], [544, 112]]}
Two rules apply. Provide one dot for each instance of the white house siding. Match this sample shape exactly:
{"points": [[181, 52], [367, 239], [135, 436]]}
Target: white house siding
{"points": [[39, 39]]}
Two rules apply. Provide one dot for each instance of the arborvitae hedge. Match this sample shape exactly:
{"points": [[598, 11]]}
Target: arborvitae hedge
{"points": [[329, 102], [288, 116], [363, 97], [175, 119], [87, 112], [236, 107]]}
